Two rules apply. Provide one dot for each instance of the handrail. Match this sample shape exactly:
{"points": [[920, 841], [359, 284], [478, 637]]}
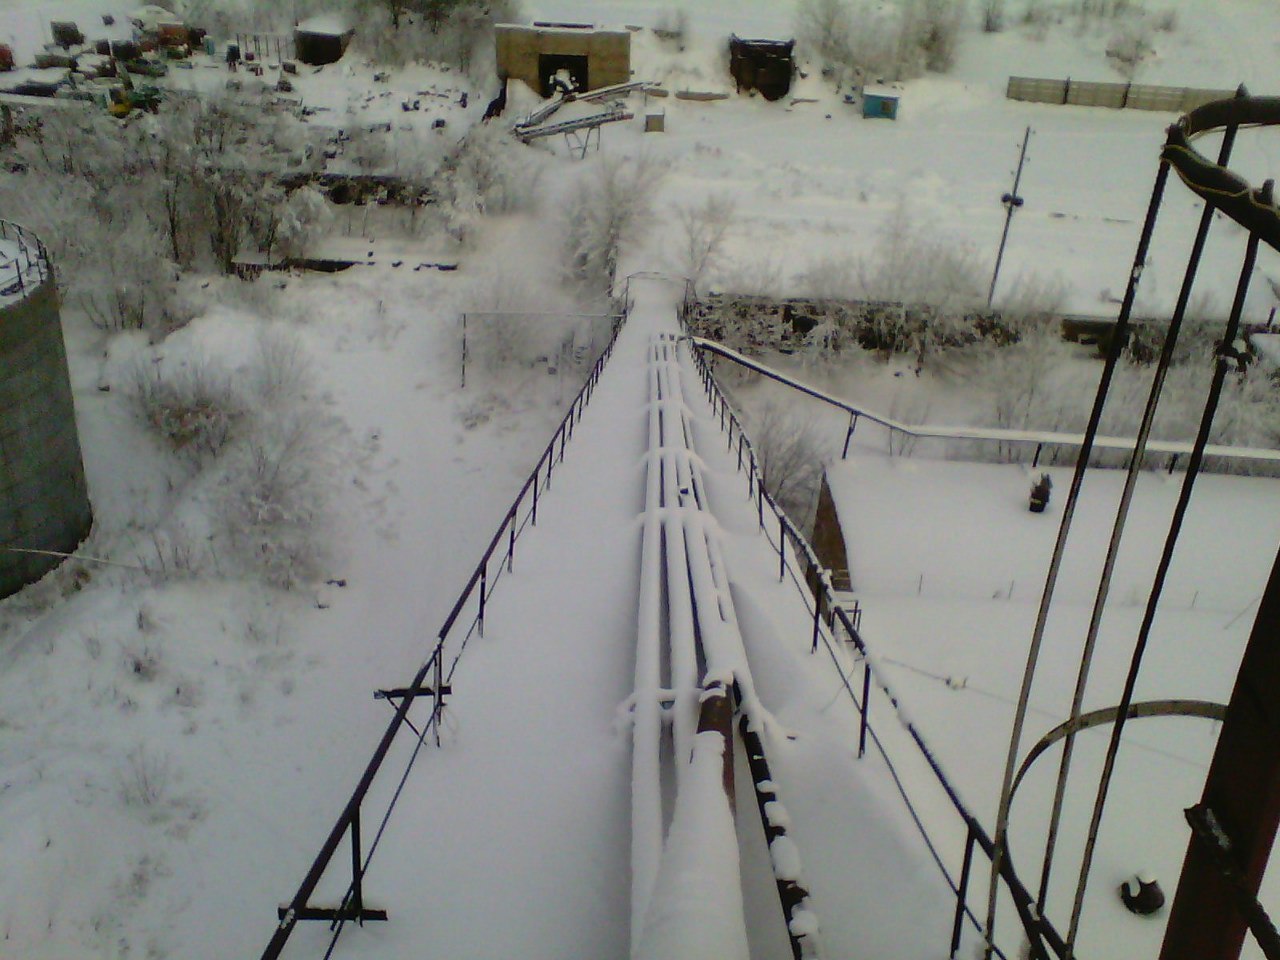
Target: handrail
{"points": [[818, 586], [511, 527], [992, 434], [31, 252]]}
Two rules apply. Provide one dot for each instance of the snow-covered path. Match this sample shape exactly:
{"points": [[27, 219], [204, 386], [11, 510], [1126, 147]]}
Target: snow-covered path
{"points": [[513, 837]]}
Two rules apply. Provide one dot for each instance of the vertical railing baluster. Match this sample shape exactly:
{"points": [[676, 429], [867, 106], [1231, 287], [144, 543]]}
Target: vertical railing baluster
{"points": [[962, 893], [866, 703]]}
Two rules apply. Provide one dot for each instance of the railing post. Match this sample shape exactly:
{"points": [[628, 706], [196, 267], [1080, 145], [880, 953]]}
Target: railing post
{"points": [[962, 892], [782, 544], [817, 620], [534, 513], [357, 880], [437, 702], [866, 703], [511, 545], [484, 585], [848, 435], [739, 450]]}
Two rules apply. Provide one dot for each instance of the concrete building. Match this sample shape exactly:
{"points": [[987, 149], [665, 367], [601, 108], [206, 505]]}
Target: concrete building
{"points": [[593, 58], [44, 502]]}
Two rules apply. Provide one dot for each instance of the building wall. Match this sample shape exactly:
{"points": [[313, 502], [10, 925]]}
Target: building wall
{"points": [[608, 52], [44, 501], [828, 540]]}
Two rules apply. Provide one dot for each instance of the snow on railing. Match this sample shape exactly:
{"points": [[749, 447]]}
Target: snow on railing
{"points": [[24, 262], [1040, 438], [433, 679], [813, 583]]}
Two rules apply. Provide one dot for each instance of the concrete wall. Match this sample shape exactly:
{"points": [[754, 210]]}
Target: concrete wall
{"points": [[1134, 96], [44, 502], [608, 53]]}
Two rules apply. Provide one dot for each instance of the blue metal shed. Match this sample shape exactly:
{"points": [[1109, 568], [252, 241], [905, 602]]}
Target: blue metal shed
{"points": [[880, 103]]}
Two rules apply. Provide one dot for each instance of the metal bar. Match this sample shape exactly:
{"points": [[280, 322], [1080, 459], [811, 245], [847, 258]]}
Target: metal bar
{"points": [[1162, 570], [1064, 528], [782, 543], [962, 893], [484, 589], [863, 707], [817, 619], [285, 912], [1122, 513], [357, 870], [395, 693]]}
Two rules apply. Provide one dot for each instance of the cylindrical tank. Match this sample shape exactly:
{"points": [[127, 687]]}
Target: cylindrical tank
{"points": [[44, 502]]}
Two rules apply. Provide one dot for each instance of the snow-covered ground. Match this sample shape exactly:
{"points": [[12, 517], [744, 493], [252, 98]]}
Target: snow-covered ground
{"points": [[948, 565], [175, 743]]}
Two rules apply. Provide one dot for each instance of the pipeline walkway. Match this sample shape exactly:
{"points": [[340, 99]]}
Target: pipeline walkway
{"points": [[647, 650]]}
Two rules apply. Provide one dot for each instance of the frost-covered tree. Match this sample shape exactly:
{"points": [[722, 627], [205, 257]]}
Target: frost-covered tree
{"points": [[612, 208], [704, 228]]}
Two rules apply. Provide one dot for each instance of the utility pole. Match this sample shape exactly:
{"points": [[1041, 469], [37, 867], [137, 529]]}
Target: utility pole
{"points": [[1011, 202]]}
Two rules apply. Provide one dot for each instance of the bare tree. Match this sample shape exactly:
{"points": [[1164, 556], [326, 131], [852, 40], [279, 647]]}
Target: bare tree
{"points": [[705, 227]]}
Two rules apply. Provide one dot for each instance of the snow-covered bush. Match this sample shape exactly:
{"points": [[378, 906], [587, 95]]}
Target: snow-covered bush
{"points": [[272, 505], [454, 32], [144, 782], [304, 216], [789, 452], [861, 39], [826, 29], [1130, 45], [1031, 303], [931, 280], [613, 207], [489, 172], [517, 314], [992, 16], [193, 407]]}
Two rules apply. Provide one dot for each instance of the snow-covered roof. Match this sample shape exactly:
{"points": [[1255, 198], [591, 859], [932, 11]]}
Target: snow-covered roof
{"points": [[328, 24], [1268, 347]]}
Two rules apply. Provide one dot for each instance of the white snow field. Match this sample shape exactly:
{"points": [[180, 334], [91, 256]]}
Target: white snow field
{"points": [[176, 738], [948, 566]]}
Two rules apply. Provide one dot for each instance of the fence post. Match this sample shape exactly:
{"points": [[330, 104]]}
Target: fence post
{"points": [[962, 892], [866, 698]]}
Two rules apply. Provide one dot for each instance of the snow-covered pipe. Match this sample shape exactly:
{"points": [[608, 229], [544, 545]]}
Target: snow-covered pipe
{"points": [[802, 921], [646, 782]]}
